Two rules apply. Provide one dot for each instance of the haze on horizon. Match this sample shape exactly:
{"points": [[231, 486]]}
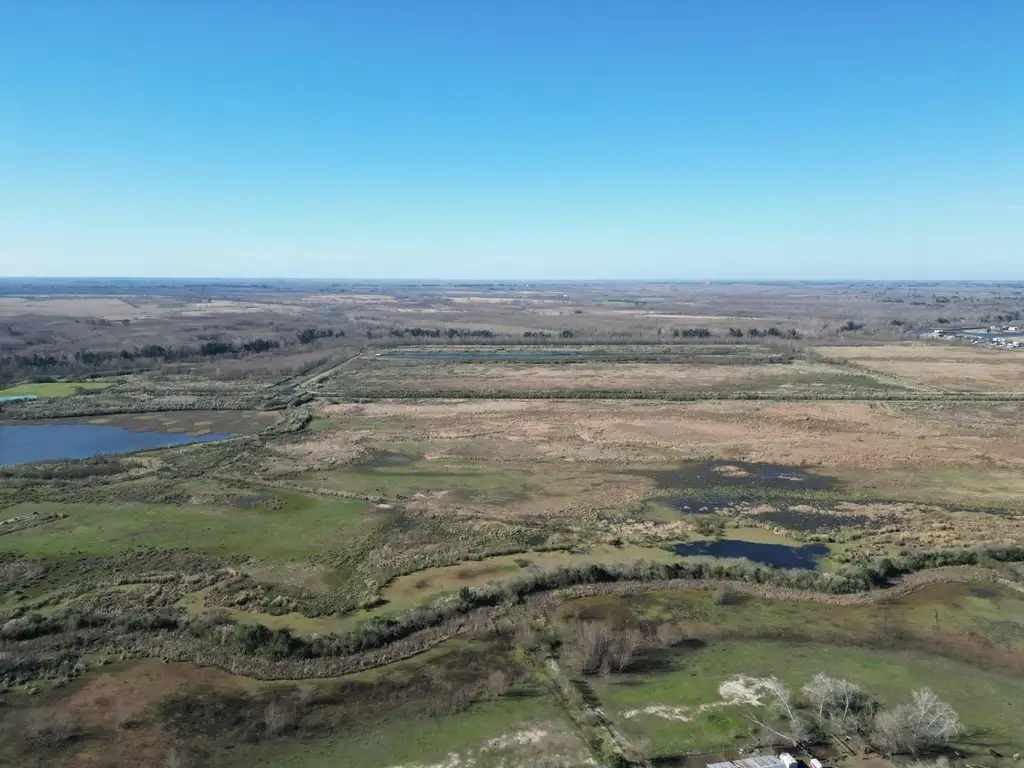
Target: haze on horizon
{"points": [[570, 140]]}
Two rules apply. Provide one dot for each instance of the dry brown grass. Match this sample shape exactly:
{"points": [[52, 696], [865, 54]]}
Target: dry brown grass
{"points": [[947, 365], [684, 377], [98, 307], [835, 436]]}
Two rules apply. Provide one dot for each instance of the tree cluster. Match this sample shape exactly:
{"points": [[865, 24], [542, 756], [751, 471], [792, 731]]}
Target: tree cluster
{"points": [[838, 709], [760, 333], [310, 335]]}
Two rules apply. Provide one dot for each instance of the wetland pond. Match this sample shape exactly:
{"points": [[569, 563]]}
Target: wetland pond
{"points": [[23, 443], [803, 557]]}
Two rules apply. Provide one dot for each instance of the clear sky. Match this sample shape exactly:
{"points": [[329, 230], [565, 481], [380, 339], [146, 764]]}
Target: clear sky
{"points": [[525, 139]]}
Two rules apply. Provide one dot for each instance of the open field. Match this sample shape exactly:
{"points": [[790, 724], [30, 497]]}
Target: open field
{"points": [[54, 389], [681, 700], [945, 365], [685, 376], [364, 575]]}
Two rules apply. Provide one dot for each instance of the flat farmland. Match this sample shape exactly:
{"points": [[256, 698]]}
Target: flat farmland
{"points": [[720, 376], [943, 365]]}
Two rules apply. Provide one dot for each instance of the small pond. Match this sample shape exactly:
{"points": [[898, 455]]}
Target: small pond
{"points": [[22, 443], [479, 355], [804, 557]]}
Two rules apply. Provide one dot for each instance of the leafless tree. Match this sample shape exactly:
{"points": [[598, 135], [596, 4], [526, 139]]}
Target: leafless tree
{"points": [[623, 648], [182, 757], [720, 596], [669, 634], [278, 717], [925, 721], [837, 705], [497, 683], [596, 647], [782, 702]]}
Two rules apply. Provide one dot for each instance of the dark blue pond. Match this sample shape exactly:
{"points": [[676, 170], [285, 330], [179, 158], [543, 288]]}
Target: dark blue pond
{"points": [[478, 355], [779, 555], [21, 443]]}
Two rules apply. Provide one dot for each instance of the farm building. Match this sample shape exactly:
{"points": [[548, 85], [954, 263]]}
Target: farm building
{"points": [[785, 760], [760, 761]]}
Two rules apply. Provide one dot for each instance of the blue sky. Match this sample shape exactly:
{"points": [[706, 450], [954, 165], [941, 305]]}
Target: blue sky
{"points": [[730, 139]]}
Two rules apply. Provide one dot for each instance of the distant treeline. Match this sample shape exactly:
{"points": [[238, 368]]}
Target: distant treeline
{"points": [[757, 333], [150, 353], [565, 333], [436, 333]]}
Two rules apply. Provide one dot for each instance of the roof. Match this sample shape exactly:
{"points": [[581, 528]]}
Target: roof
{"points": [[761, 761], [764, 761]]}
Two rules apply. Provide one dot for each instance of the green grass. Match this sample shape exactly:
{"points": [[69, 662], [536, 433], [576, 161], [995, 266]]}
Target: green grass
{"points": [[419, 741], [958, 639], [53, 388], [939, 610], [421, 586], [302, 528], [989, 703], [318, 424]]}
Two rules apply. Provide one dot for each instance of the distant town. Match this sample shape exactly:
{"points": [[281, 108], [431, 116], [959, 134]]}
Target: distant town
{"points": [[1004, 336]]}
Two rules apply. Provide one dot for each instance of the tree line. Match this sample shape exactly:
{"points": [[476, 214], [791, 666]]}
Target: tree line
{"points": [[758, 333], [149, 353]]}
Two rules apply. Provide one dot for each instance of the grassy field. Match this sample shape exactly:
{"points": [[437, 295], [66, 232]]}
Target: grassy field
{"points": [[511, 730], [951, 638], [682, 376], [651, 707], [297, 531], [55, 388]]}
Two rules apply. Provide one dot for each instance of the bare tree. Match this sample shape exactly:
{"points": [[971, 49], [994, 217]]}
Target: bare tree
{"points": [[720, 595], [497, 683], [932, 720], [669, 634], [278, 717], [926, 721], [182, 757], [597, 647], [782, 703], [623, 648], [837, 705]]}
